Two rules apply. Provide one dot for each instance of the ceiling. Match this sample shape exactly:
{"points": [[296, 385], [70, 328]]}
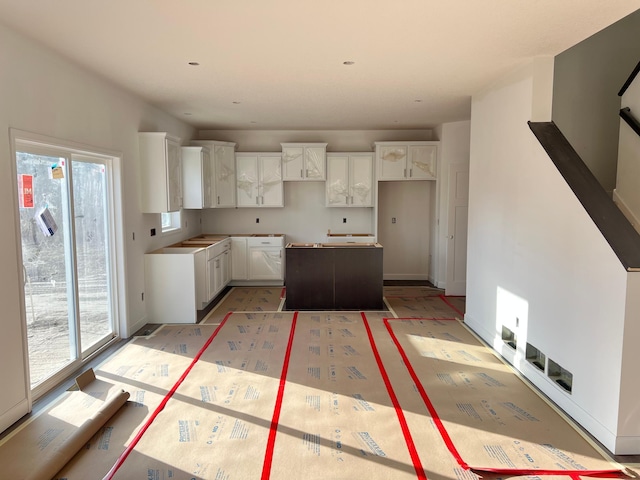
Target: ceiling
{"points": [[280, 64]]}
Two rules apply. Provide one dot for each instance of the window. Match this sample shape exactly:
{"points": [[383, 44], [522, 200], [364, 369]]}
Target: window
{"points": [[171, 221]]}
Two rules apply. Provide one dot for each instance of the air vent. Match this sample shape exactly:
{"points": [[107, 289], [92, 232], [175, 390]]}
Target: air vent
{"points": [[536, 357], [509, 337], [561, 376]]}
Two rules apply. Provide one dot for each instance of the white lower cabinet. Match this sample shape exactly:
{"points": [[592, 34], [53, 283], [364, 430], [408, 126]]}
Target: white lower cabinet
{"points": [[257, 259], [217, 268], [239, 263], [179, 281], [175, 284]]}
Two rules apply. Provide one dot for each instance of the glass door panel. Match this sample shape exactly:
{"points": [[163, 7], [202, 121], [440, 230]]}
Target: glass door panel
{"points": [[48, 272], [91, 217]]}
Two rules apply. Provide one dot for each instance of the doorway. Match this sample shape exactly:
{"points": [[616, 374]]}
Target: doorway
{"points": [[65, 202]]}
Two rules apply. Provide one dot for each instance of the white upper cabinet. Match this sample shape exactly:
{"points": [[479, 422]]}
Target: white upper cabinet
{"points": [[259, 180], [197, 178], [223, 172], [349, 180], [407, 160], [304, 161], [160, 172]]}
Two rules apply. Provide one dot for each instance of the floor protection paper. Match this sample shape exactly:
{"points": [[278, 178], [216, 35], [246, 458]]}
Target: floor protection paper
{"points": [[491, 421], [246, 299], [217, 422]]}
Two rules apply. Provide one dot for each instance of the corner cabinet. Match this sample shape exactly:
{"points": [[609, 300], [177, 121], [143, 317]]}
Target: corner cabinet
{"points": [[197, 180], [223, 172], [349, 180], [304, 161], [407, 160], [160, 172], [259, 180]]}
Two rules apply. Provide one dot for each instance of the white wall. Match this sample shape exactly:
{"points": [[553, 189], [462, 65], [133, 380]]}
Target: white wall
{"points": [[587, 79], [407, 242], [43, 93], [534, 254]]}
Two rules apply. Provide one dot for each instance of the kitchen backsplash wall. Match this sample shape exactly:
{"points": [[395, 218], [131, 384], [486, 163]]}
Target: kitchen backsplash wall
{"points": [[304, 218]]}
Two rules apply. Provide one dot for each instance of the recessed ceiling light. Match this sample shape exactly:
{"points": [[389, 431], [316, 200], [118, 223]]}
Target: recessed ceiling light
{"points": [[236, 103], [194, 64], [418, 101], [348, 62], [188, 113], [253, 121]]}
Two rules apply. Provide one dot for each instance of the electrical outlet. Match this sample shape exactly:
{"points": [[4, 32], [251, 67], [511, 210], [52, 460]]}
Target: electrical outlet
{"points": [[344, 220], [142, 296], [257, 220], [153, 232], [393, 219]]}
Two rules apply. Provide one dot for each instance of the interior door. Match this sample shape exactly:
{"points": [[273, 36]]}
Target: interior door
{"points": [[457, 236], [66, 241]]}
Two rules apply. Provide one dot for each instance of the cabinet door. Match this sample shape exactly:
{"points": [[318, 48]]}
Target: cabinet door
{"points": [[271, 190], [293, 163], [265, 263], [226, 269], [239, 264], [224, 176], [392, 162], [211, 279], [247, 180], [207, 180], [422, 162], [174, 176], [361, 180], [314, 163], [337, 185]]}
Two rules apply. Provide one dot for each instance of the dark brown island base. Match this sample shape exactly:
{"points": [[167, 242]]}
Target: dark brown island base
{"points": [[333, 276]]}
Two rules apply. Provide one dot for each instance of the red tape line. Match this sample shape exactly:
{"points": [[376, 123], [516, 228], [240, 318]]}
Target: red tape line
{"points": [[273, 430], [575, 474], [445, 300], [413, 452], [163, 403], [283, 292]]}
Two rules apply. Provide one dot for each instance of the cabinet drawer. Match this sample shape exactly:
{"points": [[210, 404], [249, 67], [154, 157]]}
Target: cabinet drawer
{"points": [[218, 248], [265, 241]]}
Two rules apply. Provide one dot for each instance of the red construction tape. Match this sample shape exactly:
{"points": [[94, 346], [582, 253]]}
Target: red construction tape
{"points": [[163, 403], [444, 299], [273, 430], [283, 292], [574, 474], [413, 452]]}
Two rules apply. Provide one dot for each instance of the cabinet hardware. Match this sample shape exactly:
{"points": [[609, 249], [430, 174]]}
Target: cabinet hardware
{"points": [[410, 172]]}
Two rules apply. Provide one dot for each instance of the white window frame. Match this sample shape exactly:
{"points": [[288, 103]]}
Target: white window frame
{"points": [[171, 222]]}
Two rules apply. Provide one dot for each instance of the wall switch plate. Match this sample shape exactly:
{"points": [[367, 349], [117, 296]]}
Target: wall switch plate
{"points": [[257, 220], [153, 232], [344, 220], [393, 219]]}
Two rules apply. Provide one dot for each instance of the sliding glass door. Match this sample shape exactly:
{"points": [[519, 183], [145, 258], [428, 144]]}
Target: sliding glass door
{"points": [[65, 227]]}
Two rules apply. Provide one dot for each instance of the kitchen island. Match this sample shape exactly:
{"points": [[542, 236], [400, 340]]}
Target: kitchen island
{"points": [[334, 276]]}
